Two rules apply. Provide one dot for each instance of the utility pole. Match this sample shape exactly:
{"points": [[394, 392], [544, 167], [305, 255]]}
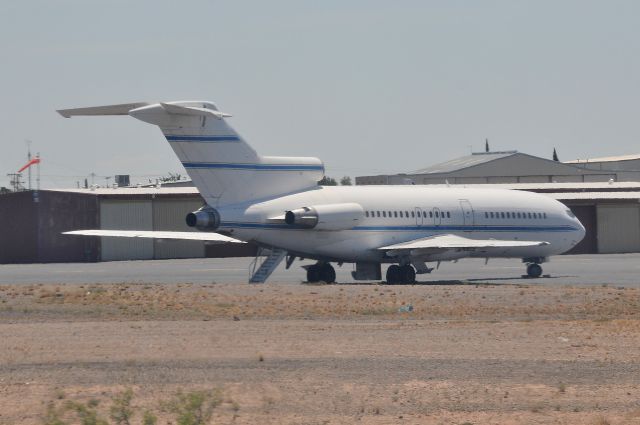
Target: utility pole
{"points": [[15, 181], [38, 172], [28, 142]]}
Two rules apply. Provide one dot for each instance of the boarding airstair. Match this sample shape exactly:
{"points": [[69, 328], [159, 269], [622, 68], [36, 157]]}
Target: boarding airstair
{"points": [[273, 259]]}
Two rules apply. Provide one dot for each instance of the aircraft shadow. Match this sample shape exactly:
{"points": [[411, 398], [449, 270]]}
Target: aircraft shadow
{"points": [[514, 280]]}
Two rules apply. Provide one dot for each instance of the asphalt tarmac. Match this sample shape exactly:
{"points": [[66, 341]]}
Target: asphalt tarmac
{"points": [[613, 269]]}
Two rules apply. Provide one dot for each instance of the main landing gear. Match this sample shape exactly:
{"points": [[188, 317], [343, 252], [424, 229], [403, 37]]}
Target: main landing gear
{"points": [[321, 272], [397, 275], [534, 269]]}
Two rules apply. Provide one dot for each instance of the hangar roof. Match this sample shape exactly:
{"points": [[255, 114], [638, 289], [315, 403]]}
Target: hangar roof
{"points": [[464, 162], [605, 159], [565, 196], [133, 191]]}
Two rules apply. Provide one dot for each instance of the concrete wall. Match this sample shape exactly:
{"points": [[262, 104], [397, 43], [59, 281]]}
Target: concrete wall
{"points": [[31, 226]]}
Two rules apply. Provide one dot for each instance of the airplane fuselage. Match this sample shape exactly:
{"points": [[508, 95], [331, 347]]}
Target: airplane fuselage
{"points": [[395, 214]]}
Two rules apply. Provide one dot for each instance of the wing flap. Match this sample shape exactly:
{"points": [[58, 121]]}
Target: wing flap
{"points": [[193, 236], [445, 242]]}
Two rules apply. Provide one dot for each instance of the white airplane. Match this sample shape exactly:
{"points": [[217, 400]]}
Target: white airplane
{"points": [[276, 203]]}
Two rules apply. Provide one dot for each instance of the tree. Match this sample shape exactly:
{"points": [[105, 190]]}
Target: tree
{"points": [[555, 155], [486, 145], [345, 181], [328, 181], [172, 177]]}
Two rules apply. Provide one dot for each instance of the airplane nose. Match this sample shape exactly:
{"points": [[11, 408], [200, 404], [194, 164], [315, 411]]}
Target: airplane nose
{"points": [[581, 230]]}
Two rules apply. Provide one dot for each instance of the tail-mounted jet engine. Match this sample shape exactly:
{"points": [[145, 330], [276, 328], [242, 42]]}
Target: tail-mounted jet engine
{"points": [[205, 219], [326, 217]]}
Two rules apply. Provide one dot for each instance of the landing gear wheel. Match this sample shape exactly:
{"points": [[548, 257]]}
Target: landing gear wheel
{"points": [[534, 270], [408, 274], [327, 273], [394, 275], [313, 274]]}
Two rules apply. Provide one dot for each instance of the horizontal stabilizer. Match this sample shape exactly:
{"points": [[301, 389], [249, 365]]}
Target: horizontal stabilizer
{"points": [[192, 236], [192, 110], [121, 109], [458, 242]]}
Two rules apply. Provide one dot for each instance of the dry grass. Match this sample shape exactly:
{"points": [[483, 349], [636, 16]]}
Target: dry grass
{"points": [[188, 301]]}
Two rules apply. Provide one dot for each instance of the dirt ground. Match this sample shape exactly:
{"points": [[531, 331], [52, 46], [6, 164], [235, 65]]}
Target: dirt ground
{"points": [[339, 354]]}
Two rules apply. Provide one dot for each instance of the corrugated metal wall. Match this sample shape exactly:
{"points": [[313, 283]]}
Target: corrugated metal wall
{"points": [[126, 215], [618, 228], [169, 214]]}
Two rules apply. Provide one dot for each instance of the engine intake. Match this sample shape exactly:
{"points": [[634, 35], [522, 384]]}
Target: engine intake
{"points": [[205, 219], [326, 217]]}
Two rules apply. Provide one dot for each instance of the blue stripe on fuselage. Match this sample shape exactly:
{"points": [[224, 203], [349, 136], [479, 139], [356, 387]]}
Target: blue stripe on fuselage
{"points": [[230, 138]]}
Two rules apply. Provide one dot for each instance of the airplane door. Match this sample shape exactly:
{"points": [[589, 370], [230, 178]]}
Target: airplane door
{"points": [[419, 217], [437, 216], [467, 213]]}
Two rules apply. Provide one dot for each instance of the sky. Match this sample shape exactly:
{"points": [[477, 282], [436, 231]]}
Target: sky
{"points": [[369, 87]]}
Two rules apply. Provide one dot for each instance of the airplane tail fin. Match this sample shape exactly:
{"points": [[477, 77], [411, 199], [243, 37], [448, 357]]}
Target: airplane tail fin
{"points": [[224, 168]]}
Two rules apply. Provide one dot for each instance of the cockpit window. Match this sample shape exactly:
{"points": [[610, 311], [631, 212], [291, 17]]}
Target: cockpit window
{"points": [[570, 213]]}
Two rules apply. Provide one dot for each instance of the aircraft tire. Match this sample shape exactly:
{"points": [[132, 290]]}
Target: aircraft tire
{"points": [[313, 274], [534, 270], [408, 274], [394, 275], [327, 273]]}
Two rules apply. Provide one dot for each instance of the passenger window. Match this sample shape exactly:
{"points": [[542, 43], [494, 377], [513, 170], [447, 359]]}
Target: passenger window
{"points": [[518, 215], [436, 213], [395, 214], [486, 214], [529, 215], [508, 215], [413, 214], [502, 214], [406, 214], [424, 214], [545, 215], [366, 213], [384, 213], [390, 215], [378, 213], [448, 214], [491, 214]]}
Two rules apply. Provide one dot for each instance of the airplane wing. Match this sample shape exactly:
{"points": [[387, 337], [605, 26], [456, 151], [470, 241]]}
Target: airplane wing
{"points": [[194, 236], [454, 242]]}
